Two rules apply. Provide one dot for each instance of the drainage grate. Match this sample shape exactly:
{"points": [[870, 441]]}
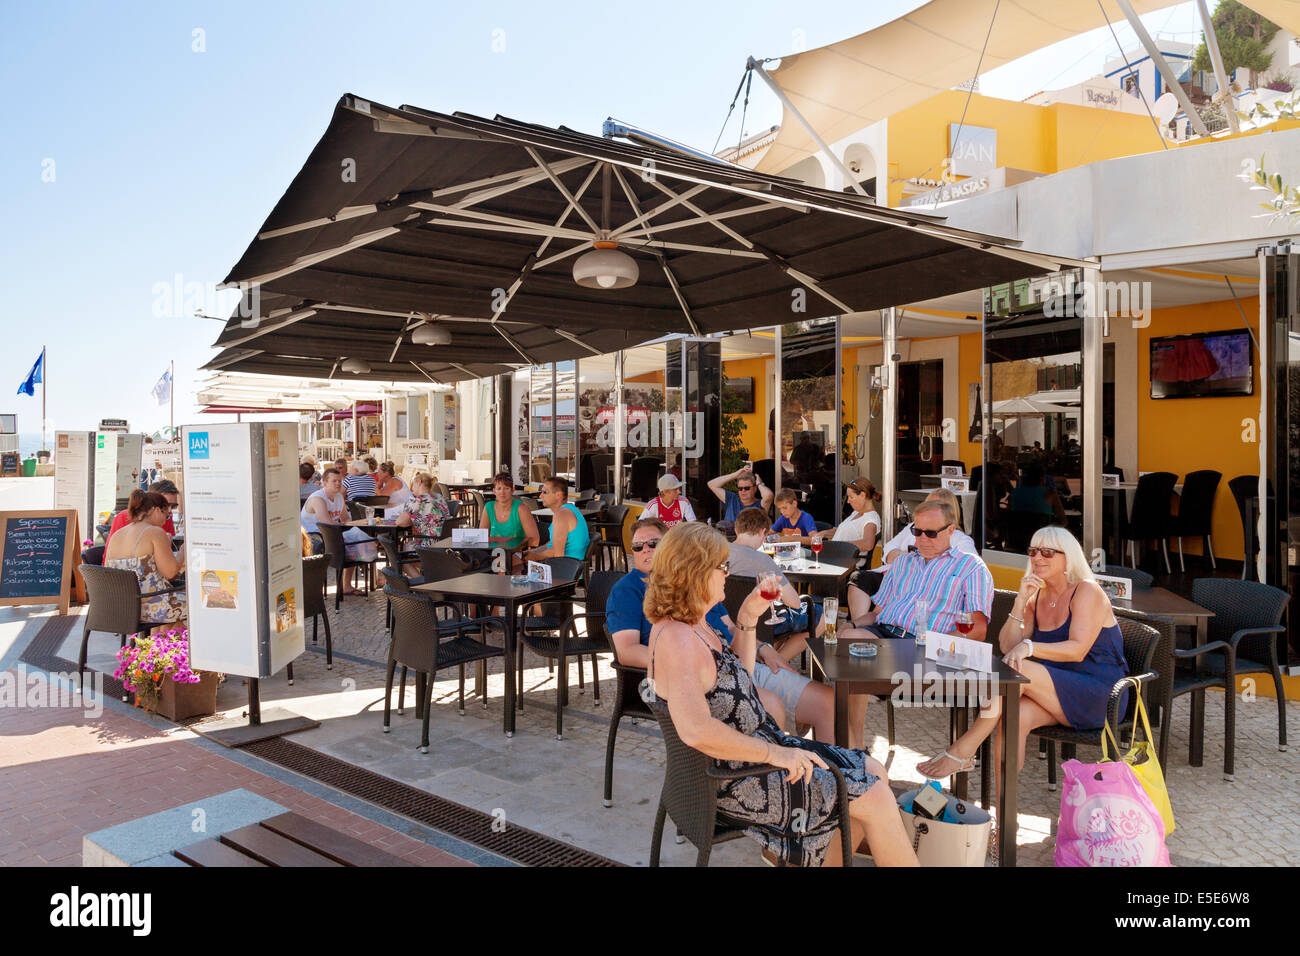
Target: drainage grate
{"points": [[473, 826], [43, 651]]}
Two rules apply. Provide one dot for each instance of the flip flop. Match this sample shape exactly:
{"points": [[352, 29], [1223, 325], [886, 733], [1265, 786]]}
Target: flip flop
{"points": [[965, 766]]}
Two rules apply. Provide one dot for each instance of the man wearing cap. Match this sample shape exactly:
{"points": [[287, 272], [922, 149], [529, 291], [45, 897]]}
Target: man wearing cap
{"points": [[669, 506], [165, 487]]}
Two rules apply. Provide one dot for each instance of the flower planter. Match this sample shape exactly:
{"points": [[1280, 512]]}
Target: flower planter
{"points": [[182, 701]]}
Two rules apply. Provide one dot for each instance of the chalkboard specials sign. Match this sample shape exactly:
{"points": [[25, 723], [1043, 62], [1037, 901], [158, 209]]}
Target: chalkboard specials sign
{"points": [[37, 557]]}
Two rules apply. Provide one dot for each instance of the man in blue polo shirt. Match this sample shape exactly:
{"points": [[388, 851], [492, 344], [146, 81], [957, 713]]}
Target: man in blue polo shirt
{"points": [[749, 492], [948, 580], [782, 690]]}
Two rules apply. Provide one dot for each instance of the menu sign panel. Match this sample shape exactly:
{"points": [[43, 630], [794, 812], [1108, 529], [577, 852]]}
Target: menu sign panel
{"points": [[37, 556], [104, 493], [73, 474], [244, 577]]}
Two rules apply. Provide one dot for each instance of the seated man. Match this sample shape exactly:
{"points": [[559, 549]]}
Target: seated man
{"points": [[791, 636], [749, 492], [784, 692], [950, 581], [307, 483], [569, 533], [794, 523], [165, 487]]}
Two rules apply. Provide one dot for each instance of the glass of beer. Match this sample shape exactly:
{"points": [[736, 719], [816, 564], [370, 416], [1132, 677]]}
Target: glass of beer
{"points": [[831, 615]]}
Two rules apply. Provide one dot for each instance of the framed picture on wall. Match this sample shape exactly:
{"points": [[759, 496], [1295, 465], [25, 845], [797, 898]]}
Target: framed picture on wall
{"points": [[742, 391]]}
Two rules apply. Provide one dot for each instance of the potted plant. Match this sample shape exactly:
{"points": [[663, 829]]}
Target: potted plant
{"points": [[156, 668]]}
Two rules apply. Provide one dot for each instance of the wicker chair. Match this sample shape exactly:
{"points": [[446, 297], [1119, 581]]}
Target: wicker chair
{"points": [[1140, 644], [690, 797], [416, 644], [1140, 578], [551, 619], [1247, 631], [113, 599], [567, 642], [315, 570], [336, 552], [627, 703], [1158, 693]]}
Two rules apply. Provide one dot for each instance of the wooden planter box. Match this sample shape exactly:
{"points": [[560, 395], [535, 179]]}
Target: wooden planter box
{"points": [[182, 701]]}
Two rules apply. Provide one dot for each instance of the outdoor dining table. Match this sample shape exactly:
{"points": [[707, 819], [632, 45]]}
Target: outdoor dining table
{"points": [[1159, 602], [805, 572], [900, 665], [497, 590]]}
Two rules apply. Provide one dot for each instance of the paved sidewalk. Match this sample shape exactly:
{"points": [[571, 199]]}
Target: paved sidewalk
{"points": [[63, 775]]}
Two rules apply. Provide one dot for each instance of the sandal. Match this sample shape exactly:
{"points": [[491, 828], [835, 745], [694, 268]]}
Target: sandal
{"points": [[964, 766]]}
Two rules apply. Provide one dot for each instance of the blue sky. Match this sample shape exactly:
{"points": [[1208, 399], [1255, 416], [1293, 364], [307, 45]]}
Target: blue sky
{"points": [[167, 159]]}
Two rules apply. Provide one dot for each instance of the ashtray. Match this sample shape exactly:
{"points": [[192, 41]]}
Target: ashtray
{"points": [[518, 579], [863, 649]]}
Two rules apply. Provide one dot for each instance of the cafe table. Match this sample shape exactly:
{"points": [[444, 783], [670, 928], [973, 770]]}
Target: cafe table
{"points": [[804, 572], [1159, 602], [498, 590], [900, 670]]}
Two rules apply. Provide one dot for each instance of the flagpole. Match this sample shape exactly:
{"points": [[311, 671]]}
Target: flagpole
{"points": [[45, 377], [171, 393]]}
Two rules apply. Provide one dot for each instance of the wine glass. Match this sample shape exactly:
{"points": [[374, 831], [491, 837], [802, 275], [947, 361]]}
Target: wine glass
{"points": [[964, 622], [815, 542], [769, 586]]}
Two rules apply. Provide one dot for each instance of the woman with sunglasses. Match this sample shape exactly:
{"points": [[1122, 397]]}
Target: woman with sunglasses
{"points": [[1063, 636], [707, 687]]}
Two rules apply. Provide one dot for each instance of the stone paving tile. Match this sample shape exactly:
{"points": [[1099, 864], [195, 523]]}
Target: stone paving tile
{"points": [[64, 775], [532, 775]]}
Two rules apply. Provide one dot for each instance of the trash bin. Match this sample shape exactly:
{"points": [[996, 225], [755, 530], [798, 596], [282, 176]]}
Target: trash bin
{"points": [[29, 467]]}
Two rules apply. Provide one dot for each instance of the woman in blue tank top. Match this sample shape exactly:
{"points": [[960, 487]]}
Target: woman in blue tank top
{"points": [[1063, 636]]}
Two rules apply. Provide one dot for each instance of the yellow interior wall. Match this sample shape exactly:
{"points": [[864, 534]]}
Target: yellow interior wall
{"points": [[755, 423], [970, 356], [1188, 434], [1044, 139]]}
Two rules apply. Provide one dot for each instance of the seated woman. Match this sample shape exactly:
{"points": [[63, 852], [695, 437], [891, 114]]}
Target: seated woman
{"points": [[144, 548], [1032, 496], [1062, 619], [708, 689], [509, 524], [389, 485], [423, 512]]}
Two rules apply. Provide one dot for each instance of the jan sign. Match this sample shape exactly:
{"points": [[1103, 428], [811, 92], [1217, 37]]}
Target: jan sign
{"points": [[973, 149]]}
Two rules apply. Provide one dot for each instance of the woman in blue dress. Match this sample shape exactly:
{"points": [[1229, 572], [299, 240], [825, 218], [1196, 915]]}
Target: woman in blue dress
{"points": [[1063, 636], [708, 689]]}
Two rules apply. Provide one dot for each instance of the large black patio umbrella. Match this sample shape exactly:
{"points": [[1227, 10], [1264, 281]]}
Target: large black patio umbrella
{"points": [[416, 245]]}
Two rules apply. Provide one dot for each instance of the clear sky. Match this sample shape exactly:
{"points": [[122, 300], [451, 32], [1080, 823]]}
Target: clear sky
{"points": [[133, 161]]}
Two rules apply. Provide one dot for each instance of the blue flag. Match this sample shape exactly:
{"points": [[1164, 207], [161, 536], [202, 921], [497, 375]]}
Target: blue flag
{"points": [[28, 387]]}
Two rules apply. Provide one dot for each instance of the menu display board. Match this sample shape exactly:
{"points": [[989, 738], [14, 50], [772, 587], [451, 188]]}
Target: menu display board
{"points": [[128, 467], [243, 547], [74, 461], [104, 489], [38, 554]]}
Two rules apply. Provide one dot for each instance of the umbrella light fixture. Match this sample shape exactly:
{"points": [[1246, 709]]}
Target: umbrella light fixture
{"points": [[356, 366], [605, 267], [428, 334]]}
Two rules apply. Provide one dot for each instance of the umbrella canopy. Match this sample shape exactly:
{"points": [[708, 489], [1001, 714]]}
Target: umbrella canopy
{"points": [[1024, 406], [403, 218], [362, 411]]}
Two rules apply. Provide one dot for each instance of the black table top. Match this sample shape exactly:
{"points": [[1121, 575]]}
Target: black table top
{"points": [[879, 674], [1160, 602], [494, 588]]}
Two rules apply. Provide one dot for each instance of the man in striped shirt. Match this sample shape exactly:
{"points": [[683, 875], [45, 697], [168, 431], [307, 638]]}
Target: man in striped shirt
{"points": [[951, 581]]}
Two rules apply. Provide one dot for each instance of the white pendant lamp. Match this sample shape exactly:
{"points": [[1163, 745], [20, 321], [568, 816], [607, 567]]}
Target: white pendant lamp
{"points": [[605, 267], [431, 335]]}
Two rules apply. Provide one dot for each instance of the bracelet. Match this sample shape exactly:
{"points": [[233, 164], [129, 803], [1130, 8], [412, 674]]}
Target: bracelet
{"points": [[1018, 620], [746, 627]]}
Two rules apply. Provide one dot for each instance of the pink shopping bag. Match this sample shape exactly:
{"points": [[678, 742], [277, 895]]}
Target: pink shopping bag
{"points": [[1107, 819]]}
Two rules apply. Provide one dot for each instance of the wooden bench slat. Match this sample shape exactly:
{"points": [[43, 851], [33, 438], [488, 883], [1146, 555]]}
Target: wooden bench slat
{"points": [[338, 846], [273, 849], [213, 853]]}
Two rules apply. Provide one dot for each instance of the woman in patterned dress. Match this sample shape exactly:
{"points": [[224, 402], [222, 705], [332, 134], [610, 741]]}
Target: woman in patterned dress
{"points": [[145, 549], [424, 512], [708, 689]]}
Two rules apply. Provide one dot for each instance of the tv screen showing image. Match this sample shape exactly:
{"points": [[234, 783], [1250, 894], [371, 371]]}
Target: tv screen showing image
{"points": [[741, 390], [1202, 365]]}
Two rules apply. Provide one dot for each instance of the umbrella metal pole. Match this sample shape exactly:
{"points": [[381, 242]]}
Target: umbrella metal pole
{"points": [[254, 703], [889, 418]]}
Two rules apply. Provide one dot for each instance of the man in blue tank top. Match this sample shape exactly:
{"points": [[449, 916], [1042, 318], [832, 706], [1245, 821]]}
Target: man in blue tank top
{"points": [[569, 535]]}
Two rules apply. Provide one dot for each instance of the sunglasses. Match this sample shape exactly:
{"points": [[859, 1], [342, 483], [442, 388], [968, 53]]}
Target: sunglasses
{"points": [[725, 567], [639, 546], [1045, 553], [917, 532], [744, 487]]}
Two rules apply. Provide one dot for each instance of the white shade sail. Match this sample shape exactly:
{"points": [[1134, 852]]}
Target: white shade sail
{"points": [[848, 85]]}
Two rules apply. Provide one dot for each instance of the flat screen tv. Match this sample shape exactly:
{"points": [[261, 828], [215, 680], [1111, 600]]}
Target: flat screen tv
{"points": [[1202, 365], [742, 391]]}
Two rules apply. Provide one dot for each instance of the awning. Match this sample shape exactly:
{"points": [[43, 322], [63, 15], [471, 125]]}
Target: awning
{"points": [[347, 414], [403, 217], [1023, 406], [848, 85]]}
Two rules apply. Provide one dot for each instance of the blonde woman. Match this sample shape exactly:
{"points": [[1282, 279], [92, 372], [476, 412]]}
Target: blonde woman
{"points": [[708, 689], [1063, 636]]}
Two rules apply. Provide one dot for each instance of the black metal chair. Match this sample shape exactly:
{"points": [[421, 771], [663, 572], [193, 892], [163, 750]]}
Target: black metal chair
{"points": [[315, 571], [370, 501], [567, 642], [627, 703], [1151, 520], [644, 483], [552, 616], [1195, 516], [690, 797], [737, 588], [1140, 644], [1140, 578], [113, 606], [1158, 693], [609, 527], [336, 551], [439, 564], [93, 555], [1248, 633], [1244, 488], [417, 644], [842, 554]]}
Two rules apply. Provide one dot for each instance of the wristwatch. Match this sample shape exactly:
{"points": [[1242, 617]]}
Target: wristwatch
{"points": [[1031, 646]]}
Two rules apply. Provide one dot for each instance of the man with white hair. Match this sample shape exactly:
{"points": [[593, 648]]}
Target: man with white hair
{"points": [[948, 580]]}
